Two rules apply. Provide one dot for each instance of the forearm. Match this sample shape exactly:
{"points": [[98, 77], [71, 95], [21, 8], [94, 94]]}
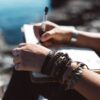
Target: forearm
{"points": [[89, 85], [89, 40]]}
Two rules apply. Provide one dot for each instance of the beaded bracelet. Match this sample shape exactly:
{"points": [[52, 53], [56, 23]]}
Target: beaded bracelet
{"points": [[74, 77]]}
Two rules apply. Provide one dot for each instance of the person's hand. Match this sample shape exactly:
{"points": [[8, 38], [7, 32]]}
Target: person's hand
{"points": [[29, 57], [54, 34], [58, 35], [48, 26]]}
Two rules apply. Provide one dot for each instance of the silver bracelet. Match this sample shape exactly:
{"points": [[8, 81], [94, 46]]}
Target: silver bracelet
{"points": [[74, 36]]}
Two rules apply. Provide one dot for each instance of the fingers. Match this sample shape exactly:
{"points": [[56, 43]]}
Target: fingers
{"points": [[37, 30], [47, 36], [48, 44], [17, 53], [17, 59]]}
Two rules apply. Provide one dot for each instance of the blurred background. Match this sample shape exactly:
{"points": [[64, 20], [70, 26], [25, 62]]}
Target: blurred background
{"points": [[83, 14]]}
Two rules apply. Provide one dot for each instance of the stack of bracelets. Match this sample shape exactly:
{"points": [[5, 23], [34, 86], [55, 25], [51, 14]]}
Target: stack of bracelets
{"points": [[57, 64]]}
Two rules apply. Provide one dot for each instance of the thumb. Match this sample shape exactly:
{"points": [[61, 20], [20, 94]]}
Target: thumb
{"points": [[47, 36]]}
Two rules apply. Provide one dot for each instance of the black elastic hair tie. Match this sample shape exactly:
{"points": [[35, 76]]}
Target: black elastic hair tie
{"points": [[45, 67]]}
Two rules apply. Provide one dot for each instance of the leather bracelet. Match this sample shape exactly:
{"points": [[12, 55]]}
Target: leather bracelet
{"points": [[55, 64], [51, 65], [60, 66]]}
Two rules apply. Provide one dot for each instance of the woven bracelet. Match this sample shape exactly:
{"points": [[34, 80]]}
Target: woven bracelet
{"points": [[60, 66]]}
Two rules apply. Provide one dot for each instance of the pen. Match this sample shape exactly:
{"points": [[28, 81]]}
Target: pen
{"points": [[43, 26]]}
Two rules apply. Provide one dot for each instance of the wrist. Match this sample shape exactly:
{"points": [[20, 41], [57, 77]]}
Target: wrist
{"points": [[43, 52]]}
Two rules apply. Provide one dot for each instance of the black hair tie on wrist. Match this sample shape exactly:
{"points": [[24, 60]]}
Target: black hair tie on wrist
{"points": [[45, 67]]}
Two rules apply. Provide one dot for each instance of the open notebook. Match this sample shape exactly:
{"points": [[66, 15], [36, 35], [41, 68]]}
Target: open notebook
{"points": [[84, 55]]}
